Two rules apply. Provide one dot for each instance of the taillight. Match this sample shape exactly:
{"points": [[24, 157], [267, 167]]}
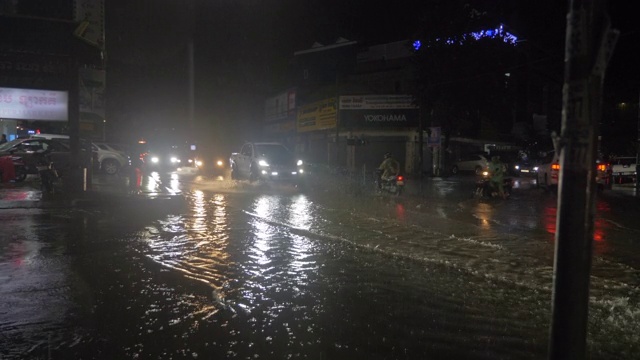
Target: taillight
{"points": [[400, 178], [602, 167], [555, 166]]}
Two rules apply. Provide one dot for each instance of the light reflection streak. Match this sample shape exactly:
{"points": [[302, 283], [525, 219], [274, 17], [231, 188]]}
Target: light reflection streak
{"points": [[300, 215], [263, 207], [199, 212], [153, 181], [195, 244], [400, 212], [174, 184], [600, 226], [484, 213]]}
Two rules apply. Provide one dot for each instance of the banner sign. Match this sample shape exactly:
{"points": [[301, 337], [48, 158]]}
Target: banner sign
{"points": [[280, 107], [367, 119], [361, 102], [319, 115], [435, 136], [31, 104], [279, 128], [90, 14], [92, 94]]}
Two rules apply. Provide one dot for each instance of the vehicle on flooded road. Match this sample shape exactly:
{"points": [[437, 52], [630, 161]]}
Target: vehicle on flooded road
{"points": [[267, 161], [548, 174], [475, 163]]}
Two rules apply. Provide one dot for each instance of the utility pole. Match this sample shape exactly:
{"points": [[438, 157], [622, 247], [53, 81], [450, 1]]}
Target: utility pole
{"points": [[638, 153], [420, 147], [77, 177], [589, 44]]}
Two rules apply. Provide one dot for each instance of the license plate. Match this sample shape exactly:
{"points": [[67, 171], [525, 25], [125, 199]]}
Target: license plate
{"points": [[400, 183], [524, 170]]}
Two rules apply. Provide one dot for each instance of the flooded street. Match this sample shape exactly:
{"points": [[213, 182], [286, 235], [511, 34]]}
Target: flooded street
{"points": [[250, 272]]}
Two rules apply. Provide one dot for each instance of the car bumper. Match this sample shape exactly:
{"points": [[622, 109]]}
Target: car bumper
{"points": [[282, 174]]}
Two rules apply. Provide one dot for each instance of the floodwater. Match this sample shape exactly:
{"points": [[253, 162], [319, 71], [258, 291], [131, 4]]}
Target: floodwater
{"points": [[276, 273]]}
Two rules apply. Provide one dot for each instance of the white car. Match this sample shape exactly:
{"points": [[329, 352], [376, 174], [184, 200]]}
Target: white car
{"points": [[623, 167], [549, 172], [111, 160], [471, 163]]}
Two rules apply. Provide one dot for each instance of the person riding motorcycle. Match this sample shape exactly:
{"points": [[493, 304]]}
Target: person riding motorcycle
{"points": [[389, 167], [496, 172]]}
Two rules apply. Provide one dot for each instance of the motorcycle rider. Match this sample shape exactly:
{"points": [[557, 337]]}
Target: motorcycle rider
{"points": [[497, 170], [389, 167]]}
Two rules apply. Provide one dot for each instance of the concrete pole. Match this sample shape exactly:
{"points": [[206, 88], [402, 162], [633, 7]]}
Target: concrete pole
{"points": [[76, 180], [589, 43]]}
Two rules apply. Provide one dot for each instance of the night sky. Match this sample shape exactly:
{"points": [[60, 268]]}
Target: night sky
{"points": [[242, 49]]}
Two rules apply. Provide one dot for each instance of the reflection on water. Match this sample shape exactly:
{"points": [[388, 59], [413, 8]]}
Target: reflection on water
{"points": [[280, 276], [600, 229]]}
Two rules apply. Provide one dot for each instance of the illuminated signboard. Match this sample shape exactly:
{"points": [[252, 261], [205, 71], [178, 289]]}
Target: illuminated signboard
{"points": [[31, 104]]}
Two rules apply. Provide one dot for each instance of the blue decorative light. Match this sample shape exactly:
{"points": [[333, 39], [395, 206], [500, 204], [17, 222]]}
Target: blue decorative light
{"points": [[496, 33]]}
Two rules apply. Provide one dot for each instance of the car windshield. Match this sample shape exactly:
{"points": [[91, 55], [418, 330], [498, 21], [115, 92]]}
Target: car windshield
{"points": [[8, 145], [624, 161], [274, 152]]}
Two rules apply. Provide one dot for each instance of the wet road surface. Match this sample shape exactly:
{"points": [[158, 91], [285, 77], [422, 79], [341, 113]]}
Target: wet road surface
{"points": [[274, 272]]}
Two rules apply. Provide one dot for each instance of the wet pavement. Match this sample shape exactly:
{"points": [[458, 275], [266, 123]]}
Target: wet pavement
{"points": [[328, 272]]}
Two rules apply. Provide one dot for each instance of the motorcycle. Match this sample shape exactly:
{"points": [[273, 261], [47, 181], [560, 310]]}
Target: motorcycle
{"points": [[41, 165], [485, 188], [48, 174], [394, 185]]}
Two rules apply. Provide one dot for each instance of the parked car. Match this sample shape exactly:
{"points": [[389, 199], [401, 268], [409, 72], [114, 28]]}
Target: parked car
{"points": [[110, 160], [58, 149], [475, 163], [266, 161], [549, 172], [105, 157], [623, 168]]}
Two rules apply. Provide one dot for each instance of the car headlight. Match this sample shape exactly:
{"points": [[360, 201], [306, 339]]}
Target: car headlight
{"points": [[517, 167], [155, 160], [220, 163], [198, 163], [174, 160], [535, 168], [299, 163], [263, 163]]}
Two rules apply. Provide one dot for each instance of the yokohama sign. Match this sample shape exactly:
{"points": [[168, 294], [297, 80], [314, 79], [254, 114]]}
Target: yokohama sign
{"points": [[378, 111], [362, 119]]}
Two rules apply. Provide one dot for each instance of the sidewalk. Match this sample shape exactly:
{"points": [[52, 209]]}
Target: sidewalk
{"points": [[104, 191]]}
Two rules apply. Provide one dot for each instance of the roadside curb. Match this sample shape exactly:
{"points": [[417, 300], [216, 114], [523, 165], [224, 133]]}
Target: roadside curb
{"points": [[97, 201]]}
